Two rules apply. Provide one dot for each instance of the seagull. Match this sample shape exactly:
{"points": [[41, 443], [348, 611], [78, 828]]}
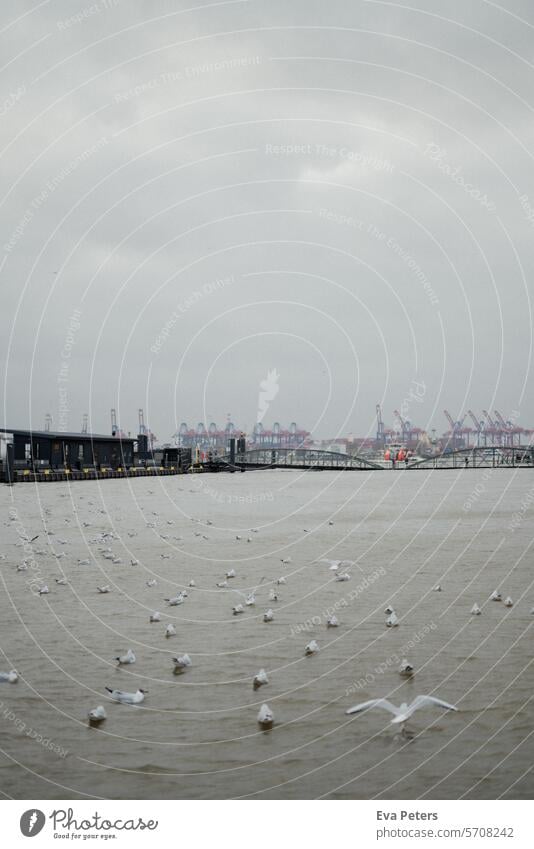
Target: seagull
{"points": [[170, 631], [281, 581], [151, 583], [192, 583], [260, 679], [116, 560], [176, 600], [61, 582], [495, 596], [129, 657], [342, 576], [237, 536], [312, 647], [330, 523], [181, 663], [475, 610], [403, 713], [23, 567], [9, 677], [230, 573], [83, 562], [392, 621], [237, 609], [43, 590], [222, 584], [286, 560], [406, 669], [335, 564], [127, 698], [134, 562], [105, 589], [437, 588], [268, 616], [273, 596], [332, 622], [250, 601], [389, 610], [265, 717], [508, 602], [155, 617], [97, 715]]}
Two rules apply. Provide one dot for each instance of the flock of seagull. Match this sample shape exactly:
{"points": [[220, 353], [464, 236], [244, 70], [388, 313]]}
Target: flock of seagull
{"points": [[265, 717]]}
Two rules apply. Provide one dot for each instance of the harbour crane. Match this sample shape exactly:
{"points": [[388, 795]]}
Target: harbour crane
{"points": [[478, 426], [48, 422], [380, 436], [404, 424], [85, 422]]}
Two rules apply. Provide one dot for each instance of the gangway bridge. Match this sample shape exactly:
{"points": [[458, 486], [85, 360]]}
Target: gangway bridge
{"points": [[295, 458]]}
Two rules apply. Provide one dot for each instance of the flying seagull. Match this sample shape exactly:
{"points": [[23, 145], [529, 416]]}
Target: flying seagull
{"points": [[401, 714]]}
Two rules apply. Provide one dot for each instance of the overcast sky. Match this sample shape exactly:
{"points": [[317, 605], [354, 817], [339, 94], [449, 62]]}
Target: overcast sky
{"points": [[197, 194]]}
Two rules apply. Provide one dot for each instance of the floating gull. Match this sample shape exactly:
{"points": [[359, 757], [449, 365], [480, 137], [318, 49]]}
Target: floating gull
{"points": [[268, 616], [97, 715], [134, 562], [124, 659], [238, 537], [230, 573], [265, 717], [61, 582], [237, 609], [84, 562], [192, 583], [170, 631], [312, 647], [43, 590], [335, 564], [475, 610], [273, 596], [127, 698], [406, 669], [281, 581], [342, 576], [23, 567], [176, 600], [260, 679], [403, 713], [286, 560], [250, 600], [222, 584], [155, 617], [392, 621], [151, 583], [389, 610], [495, 596], [9, 677], [332, 622], [181, 663], [105, 589], [508, 602], [437, 588]]}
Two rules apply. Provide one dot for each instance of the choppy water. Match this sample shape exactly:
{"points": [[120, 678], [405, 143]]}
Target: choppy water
{"points": [[196, 735]]}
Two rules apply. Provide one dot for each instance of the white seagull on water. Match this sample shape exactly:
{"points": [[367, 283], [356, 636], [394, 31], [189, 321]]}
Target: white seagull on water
{"points": [[265, 717], [97, 715], [9, 677], [127, 698], [124, 659], [401, 714], [260, 679]]}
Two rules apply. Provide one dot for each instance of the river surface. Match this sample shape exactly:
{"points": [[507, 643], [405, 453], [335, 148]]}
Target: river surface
{"points": [[196, 735]]}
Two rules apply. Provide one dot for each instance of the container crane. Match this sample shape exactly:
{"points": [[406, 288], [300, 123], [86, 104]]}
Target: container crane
{"points": [[85, 422], [380, 435], [48, 422], [478, 426], [493, 429], [406, 426]]}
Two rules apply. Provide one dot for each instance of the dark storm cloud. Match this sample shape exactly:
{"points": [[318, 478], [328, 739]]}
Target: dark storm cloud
{"points": [[361, 171]]}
